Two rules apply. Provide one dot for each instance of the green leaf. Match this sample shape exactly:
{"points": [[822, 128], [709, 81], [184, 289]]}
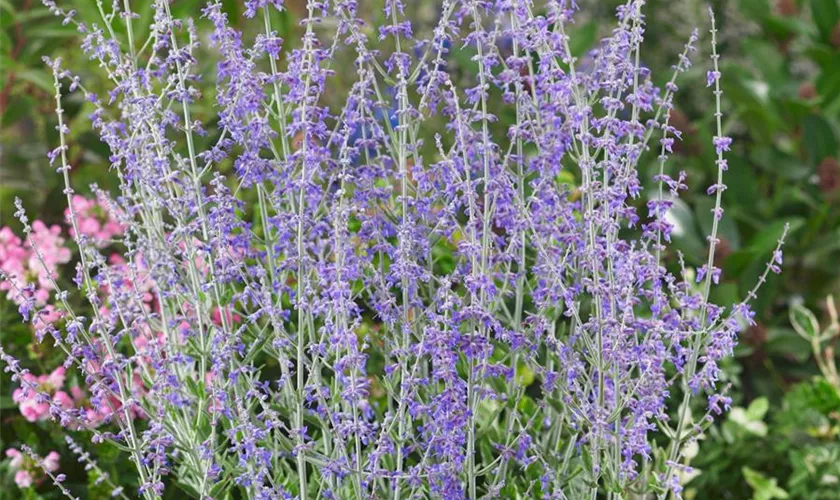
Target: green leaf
{"points": [[727, 229], [784, 165], [754, 9], [29, 15], [767, 239], [818, 138], [755, 105], [785, 343], [524, 375], [17, 109], [582, 39], [587, 460], [758, 408], [5, 44], [685, 233], [742, 191], [742, 419], [5, 63], [231, 8], [52, 32], [726, 294], [822, 249], [770, 62], [40, 78], [784, 27], [804, 322], [826, 14], [828, 83], [764, 488]]}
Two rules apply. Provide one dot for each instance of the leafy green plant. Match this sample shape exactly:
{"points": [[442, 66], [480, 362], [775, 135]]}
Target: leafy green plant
{"points": [[764, 488], [787, 451], [821, 340]]}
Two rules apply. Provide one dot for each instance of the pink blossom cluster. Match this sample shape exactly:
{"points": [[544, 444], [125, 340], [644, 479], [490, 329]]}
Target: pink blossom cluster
{"points": [[27, 471], [46, 317], [128, 279], [35, 407], [94, 221], [31, 271]]}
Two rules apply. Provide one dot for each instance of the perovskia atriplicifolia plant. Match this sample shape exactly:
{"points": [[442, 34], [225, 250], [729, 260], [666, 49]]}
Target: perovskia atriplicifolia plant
{"points": [[395, 296]]}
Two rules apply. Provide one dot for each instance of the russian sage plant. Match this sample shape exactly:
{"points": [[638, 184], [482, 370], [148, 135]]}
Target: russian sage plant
{"points": [[403, 295]]}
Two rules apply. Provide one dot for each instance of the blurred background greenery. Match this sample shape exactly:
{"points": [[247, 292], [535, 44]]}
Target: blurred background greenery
{"points": [[781, 81]]}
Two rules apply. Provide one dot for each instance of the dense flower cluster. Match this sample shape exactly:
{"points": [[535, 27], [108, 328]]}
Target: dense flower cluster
{"points": [[34, 408], [43, 397], [94, 220], [31, 266], [394, 297], [27, 471]]}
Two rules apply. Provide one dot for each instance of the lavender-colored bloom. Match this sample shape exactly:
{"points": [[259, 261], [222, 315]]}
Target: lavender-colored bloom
{"points": [[722, 143], [383, 316]]}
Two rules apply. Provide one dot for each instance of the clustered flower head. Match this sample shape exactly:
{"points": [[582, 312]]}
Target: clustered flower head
{"points": [[94, 220], [43, 397], [397, 295], [27, 471], [35, 408], [30, 273]]}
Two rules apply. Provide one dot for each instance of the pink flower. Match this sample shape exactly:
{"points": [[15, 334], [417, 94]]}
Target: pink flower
{"points": [[51, 461], [23, 264], [16, 456], [13, 261], [12, 253], [230, 317], [77, 393], [27, 471], [128, 278], [108, 406], [216, 404], [63, 399], [34, 408], [45, 318], [50, 244], [56, 378], [94, 220], [30, 408], [23, 478], [93, 416]]}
